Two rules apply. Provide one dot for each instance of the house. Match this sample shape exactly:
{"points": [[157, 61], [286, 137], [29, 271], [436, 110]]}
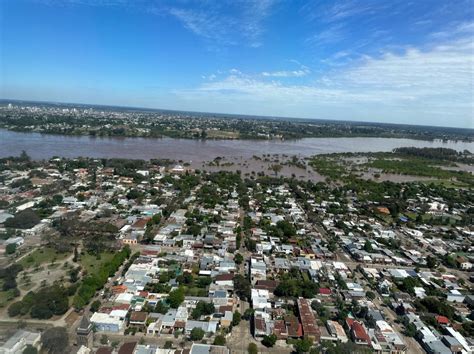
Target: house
{"points": [[442, 320], [138, 318], [208, 349], [127, 348], [337, 331], [208, 327], [358, 332], [104, 322], [224, 279], [308, 321], [19, 341], [226, 320]]}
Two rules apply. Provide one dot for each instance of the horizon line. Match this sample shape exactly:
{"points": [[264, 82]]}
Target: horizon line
{"points": [[240, 115]]}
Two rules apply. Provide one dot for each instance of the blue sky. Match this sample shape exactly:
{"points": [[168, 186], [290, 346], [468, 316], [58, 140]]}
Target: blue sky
{"points": [[367, 60]]}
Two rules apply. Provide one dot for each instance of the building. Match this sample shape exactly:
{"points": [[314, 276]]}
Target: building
{"points": [[84, 333], [104, 322], [208, 349], [308, 321], [19, 341]]}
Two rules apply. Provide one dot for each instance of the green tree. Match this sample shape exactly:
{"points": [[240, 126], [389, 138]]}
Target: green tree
{"points": [[25, 219], [252, 348], [176, 297], [55, 340], [370, 295], [95, 306], [236, 318], [11, 248], [238, 258], [197, 334], [219, 340], [368, 246], [30, 350], [242, 287], [269, 341], [302, 345]]}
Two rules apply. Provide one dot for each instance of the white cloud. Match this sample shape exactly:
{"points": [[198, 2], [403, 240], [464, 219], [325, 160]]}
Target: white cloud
{"points": [[226, 22], [431, 87], [287, 73]]}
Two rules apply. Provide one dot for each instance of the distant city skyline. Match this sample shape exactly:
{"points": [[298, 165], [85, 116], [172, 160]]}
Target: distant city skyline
{"points": [[374, 61]]}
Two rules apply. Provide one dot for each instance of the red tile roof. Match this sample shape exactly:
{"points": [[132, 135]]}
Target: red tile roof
{"points": [[325, 291], [359, 332], [442, 319], [308, 321]]}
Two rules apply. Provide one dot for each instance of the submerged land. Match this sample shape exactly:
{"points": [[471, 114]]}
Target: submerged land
{"points": [[332, 253]]}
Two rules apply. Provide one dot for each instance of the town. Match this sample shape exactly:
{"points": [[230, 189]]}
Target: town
{"points": [[144, 257], [107, 121]]}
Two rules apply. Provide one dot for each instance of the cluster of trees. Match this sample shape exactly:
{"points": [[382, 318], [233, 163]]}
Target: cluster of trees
{"points": [[24, 219], [96, 281], [43, 304], [293, 284], [242, 287], [431, 304], [202, 309], [437, 154], [8, 275], [176, 297]]}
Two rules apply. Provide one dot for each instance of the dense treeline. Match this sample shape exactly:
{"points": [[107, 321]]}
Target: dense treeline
{"points": [[96, 281], [436, 153], [43, 304]]}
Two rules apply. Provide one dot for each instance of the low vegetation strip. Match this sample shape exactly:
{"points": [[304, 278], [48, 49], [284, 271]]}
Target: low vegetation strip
{"points": [[97, 280]]}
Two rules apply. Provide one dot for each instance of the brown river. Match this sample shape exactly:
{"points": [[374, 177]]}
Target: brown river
{"points": [[44, 146]]}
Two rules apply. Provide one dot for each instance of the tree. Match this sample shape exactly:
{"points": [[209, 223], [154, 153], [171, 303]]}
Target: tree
{"points": [[303, 345], [55, 340], [219, 340], [242, 287], [25, 219], [197, 334], [161, 307], [95, 306], [202, 309], [236, 317], [276, 168], [176, 297], [30, 350], [431, 262], [252, 348], [368, 246], [269, 341], [104, 339], [248, 314], [11, 248], [238, 258], [370, 295]]}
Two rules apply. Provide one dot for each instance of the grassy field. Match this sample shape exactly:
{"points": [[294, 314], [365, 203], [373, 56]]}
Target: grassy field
{"points": [[222, 134], [41, 256], [5, 297], [90, 262]]}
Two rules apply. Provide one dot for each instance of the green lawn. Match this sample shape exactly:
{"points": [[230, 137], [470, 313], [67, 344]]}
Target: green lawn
{"points": [[91, 264], [5, 297], [42, 255]]}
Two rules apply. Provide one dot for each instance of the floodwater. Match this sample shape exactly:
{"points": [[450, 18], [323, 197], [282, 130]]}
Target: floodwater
{"points": [[44, 146]]}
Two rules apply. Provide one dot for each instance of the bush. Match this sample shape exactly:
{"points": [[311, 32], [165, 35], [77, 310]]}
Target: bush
{"points": [[219, 340], [269, 341], [11, 248], [252, 348], [197, 334]]}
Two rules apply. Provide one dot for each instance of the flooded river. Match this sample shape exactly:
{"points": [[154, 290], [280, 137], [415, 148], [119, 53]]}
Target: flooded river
{"points": [[44, 146]]}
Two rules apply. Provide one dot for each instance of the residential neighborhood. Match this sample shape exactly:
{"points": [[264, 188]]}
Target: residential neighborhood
{"points": [[144, 257]]}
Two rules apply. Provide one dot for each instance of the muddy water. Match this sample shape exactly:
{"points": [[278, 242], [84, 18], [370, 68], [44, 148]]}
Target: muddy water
{"points": [[43, 146]]}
